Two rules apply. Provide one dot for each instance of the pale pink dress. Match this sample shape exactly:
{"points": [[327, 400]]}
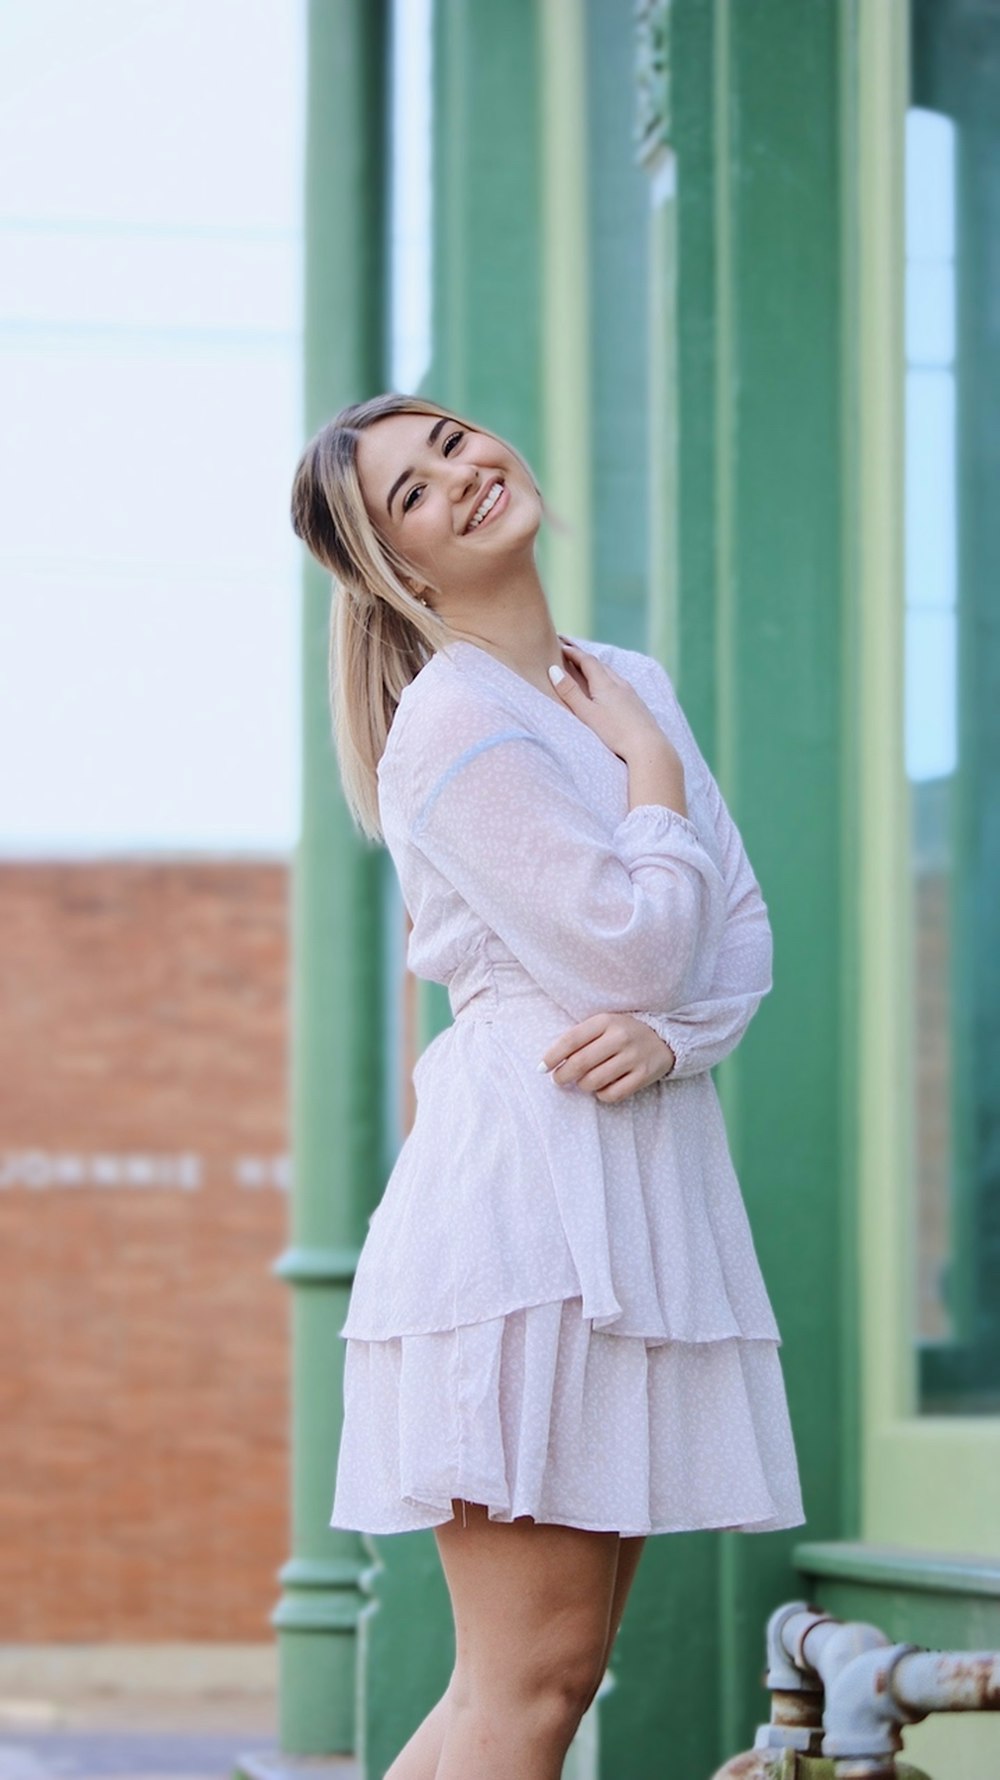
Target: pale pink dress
{"points": [[558, 1309]]}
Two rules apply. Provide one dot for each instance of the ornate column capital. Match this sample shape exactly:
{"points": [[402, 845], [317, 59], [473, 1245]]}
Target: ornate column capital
{"points": [[652, 77]]}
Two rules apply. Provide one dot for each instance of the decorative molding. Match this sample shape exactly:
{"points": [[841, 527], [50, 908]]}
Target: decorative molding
{"points": [[652, 77]]}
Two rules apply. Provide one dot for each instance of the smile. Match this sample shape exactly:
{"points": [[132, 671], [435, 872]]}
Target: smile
{"points": [[493, 502]]}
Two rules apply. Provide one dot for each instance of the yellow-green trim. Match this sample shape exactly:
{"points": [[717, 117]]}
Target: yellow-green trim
{"points": [[885, 1052], [726, 574], [565, 313], [663, 608]]}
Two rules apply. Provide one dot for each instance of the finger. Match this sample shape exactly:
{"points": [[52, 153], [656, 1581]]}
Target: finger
{"points": [[605, 1072], [623, 1088], [590, 664], [573, 1038], [595, 1065], [566, 686]]}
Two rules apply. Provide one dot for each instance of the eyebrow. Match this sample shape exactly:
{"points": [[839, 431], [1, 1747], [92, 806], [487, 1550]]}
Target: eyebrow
{"points": [[397, 485]]}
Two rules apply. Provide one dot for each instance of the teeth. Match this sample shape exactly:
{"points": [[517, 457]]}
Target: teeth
{"points": [[486, 506]]}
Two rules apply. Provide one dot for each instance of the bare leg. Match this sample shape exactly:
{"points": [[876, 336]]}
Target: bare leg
{"points": [[532, 1606], [629, 1552], [419, 1758]]}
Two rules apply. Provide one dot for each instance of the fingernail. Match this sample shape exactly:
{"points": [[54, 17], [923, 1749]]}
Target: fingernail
{"points": [[543, 1064], [555, 675]]}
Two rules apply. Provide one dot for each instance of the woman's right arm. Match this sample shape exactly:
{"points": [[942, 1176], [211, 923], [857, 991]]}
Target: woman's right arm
{"points": [[703, 1031]]}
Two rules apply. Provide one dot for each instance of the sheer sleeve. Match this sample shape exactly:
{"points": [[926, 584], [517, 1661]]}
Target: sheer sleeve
{"points": [[600, 918], [701, 1032]]}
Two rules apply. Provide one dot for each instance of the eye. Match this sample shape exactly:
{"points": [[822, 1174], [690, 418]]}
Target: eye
{"points": [[411, 497], [450, 442]]}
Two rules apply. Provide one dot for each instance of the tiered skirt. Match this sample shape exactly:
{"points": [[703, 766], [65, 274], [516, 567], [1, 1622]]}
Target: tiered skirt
{"points": [[558, 1312], [536, 1413]]}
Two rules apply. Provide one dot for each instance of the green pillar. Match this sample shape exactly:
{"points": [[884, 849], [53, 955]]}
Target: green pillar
{"points": [[740, 113], [783, 741], [336, 1070], [617, 275], [487, 363]]}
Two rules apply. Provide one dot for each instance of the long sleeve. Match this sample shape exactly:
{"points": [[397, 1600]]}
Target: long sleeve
{"points": [[703, 1031], [601, 919]]}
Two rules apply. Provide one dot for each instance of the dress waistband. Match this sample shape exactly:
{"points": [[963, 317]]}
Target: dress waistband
{"points": [[500, 989]]}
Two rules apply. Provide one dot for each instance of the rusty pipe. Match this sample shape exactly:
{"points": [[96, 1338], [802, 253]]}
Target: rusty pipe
{"points": [[864, 1715], [843, 1689], [949, 1681]]}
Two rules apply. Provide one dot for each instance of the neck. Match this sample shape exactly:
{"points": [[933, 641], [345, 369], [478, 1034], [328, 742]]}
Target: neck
{"points": [[515, 624]]}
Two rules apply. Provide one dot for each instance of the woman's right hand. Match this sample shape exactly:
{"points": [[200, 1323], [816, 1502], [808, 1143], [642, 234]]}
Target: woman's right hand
{"points": [[611, 707]]}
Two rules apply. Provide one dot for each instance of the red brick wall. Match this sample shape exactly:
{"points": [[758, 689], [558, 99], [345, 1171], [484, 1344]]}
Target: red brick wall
{"points": [[143, 1389]]}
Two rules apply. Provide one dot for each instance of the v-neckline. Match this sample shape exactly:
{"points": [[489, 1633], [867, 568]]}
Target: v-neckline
{"points": [[512, 673]]}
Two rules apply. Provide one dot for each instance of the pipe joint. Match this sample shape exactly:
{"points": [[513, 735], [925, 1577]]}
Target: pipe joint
{"points": [[863, 1714], [787, 1672]]}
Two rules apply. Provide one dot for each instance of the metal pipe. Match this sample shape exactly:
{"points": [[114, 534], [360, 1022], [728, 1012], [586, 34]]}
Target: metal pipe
{"points": [[863, 1717], [844, 1691], [949, 1680]]}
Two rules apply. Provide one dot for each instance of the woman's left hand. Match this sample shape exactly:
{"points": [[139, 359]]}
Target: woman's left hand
{"points": [[610, 1056]]}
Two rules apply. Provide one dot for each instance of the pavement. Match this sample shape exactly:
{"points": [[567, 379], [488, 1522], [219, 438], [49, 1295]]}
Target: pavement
{"points": [[107, 1736]]}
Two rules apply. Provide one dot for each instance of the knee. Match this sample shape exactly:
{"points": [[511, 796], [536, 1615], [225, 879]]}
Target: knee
{"points": [[559, 1682]]}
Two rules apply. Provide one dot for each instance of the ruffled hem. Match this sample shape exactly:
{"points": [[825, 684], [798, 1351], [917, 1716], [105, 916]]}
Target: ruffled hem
{"points": [[537, 1413]]}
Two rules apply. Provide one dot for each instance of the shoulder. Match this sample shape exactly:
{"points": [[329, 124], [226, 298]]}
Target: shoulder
{"points": [[440, 711], [443, 721]]}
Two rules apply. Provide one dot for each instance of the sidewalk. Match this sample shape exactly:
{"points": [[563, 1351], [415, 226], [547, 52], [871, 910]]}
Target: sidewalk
{"points": [[105, 1736]]}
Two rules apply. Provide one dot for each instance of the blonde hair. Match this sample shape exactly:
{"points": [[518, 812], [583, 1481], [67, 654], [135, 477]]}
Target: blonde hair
{"points": [[381, 634]]}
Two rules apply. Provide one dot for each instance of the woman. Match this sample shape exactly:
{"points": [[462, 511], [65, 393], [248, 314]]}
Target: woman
{"points": [[558, 1340]]}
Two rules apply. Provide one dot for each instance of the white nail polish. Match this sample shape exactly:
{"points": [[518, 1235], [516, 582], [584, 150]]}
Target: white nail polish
{"points": [[555, 675], [543, 1065]]}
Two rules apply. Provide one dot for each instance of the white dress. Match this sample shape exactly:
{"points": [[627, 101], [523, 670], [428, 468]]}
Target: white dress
{"points": [[558, 1309]]}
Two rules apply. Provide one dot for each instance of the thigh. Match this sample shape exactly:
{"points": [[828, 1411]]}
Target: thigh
{"points": [[530, 1600], [629, 1552]]}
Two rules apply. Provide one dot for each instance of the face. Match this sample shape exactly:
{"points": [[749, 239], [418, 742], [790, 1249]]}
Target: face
{"points": [[456, 504]]}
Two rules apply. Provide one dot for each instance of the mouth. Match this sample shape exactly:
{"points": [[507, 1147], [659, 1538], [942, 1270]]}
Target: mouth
{"points": [[493, 502]]}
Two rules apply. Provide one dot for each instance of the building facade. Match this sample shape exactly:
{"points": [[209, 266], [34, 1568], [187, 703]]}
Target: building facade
{"points": [[722, 270], [143, 1200]]}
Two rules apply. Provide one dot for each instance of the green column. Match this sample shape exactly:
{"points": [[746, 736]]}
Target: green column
{"points": [[487, 363], [740, 115], [783, 739], [652, 120], [616, 277], [336, 1111]]}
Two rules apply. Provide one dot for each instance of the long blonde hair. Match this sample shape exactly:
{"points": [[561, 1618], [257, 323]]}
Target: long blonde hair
{"points": [[381, 634]]}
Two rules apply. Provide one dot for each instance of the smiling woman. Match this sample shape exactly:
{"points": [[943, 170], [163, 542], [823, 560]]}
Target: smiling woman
{"points": [[394, 508], [458, 479], [558, 1337]]}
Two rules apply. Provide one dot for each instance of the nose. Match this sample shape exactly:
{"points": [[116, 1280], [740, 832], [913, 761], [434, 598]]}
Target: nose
{"points": [[463, 478]]}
